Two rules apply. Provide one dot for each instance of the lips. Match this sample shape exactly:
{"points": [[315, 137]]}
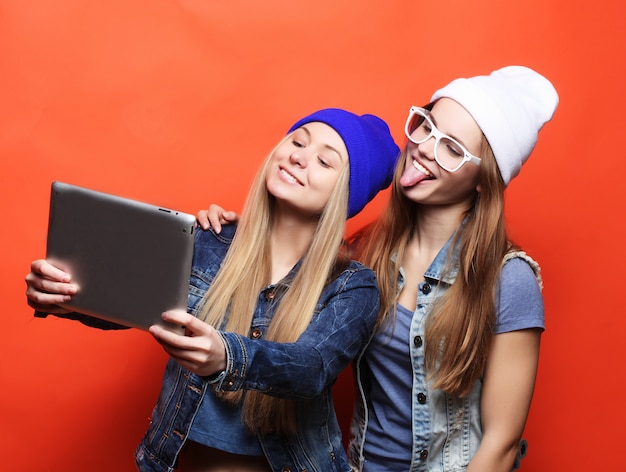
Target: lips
{"points": [[422, 169], [289, 177]]}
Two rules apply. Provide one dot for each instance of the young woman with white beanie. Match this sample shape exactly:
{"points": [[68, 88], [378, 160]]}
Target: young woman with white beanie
{"points": [[447, 381]]}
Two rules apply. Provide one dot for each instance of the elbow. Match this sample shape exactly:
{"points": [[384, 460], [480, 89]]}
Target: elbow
{"points": [[504, 454], [321, 373]]}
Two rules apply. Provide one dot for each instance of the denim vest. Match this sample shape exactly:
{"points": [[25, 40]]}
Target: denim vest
{"points": [[303, 371], [446, 429]]}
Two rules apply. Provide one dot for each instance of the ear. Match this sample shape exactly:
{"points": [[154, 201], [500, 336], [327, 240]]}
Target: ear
{"points": [[478, 188]]}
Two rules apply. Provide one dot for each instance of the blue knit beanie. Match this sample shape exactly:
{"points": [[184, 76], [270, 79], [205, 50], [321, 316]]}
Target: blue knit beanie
{"points": [[371, 150]]}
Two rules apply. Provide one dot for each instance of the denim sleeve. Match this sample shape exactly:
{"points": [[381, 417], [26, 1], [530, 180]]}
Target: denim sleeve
{"points": [[306, 367]]}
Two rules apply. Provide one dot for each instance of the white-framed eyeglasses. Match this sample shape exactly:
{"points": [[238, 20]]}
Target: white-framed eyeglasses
{"points": [[449, 153]]}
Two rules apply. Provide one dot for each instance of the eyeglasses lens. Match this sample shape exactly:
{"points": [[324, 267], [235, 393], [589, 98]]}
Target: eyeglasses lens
{"points": [[448, 153]]}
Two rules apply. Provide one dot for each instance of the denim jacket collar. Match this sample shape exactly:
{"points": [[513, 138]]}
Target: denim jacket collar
{"points": [[438, 270]]}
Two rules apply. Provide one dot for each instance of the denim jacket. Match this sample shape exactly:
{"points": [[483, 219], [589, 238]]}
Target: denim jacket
{"points": [[446, 429], [303, 370]]}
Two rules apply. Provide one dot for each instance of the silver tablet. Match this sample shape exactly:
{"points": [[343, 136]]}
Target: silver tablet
{"points": [[131, 260]]}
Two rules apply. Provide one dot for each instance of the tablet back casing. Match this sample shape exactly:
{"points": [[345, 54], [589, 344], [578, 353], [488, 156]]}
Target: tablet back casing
{"points": [[131, 260]]}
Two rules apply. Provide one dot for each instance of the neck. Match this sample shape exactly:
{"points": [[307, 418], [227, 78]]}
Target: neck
{"points": [[435, 225], [291, 238]]}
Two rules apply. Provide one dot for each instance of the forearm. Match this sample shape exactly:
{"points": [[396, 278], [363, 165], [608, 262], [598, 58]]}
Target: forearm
{"points": [[308, 366], [288, 370], [494, 456], [506, 397]]}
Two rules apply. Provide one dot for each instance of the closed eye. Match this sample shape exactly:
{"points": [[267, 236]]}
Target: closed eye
{"points": [[323, 162], [454, 148]]}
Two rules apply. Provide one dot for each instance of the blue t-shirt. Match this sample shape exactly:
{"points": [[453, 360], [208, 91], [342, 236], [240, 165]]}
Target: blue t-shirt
{"points": [[219, 426], [389, 436], [389, 433]]}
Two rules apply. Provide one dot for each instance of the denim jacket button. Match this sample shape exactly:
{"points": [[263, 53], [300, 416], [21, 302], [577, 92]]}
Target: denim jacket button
{"points": [[417, 341], [421, 398], [426, 288], [423, 454], [256, 333], [270, 295]]}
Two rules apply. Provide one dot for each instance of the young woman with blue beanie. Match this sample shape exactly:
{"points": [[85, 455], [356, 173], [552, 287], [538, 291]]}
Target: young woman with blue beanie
{"points": [[275, 311], [447, 380]]}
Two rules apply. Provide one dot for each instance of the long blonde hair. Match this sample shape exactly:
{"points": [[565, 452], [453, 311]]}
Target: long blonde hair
{"points": [[246, 270], [460, 325]]}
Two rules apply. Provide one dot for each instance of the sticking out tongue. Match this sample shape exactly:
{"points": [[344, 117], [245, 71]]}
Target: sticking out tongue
{"points": [[412, 176]]}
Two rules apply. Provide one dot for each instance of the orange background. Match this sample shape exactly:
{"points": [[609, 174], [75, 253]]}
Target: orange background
{"points": [[177, 102]]}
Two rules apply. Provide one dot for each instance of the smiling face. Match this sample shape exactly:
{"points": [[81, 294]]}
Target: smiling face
{"points": [[304, 169], [423, 180]]}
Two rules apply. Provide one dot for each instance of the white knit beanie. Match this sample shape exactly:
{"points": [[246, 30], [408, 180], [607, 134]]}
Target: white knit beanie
{"points": [[510, 105]]}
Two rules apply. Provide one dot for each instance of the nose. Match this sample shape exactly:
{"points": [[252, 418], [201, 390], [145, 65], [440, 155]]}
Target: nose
{"points": [[427, 148], [299, 158]]}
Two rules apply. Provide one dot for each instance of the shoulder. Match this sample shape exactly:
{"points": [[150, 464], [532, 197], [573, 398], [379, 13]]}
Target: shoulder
{"points": [[211, 238], [360, 271], [209, 251], [518, 262], [352, 275], [520, 302], [210, 248], [352, 292], [520, 278]]}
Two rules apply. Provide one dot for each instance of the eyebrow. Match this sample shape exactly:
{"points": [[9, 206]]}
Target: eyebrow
{"points": [[327, 146], [432, 118]]}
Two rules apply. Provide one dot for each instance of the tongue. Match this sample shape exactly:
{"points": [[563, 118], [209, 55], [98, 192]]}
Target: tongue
{"points": [[411, 176]]}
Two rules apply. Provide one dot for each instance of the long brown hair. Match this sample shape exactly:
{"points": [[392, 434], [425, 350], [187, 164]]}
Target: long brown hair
{"points": [[246, 270], [460, 325]]}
